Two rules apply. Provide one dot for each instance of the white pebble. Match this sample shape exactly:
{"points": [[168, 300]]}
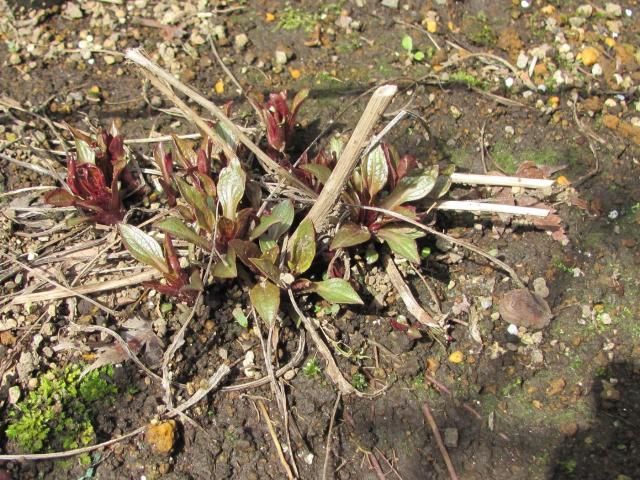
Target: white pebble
{"points": [[613, 214], [596, 70], [508, 82], [525, 4], [512, 329]]}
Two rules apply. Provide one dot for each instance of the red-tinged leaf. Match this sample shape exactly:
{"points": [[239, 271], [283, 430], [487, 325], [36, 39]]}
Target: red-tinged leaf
{"points": [[402, 241], [171, 256], [301, 249], [60, 198], [350, 235], [143, 247], [116, 149], [245, 251], [184, 152], [265, 298], [178, 229], [267, 268], [207, 184], [164, 161], [198, 202], [396, 325], [296, 103], [204, 162], [300, 284], [336, 290], [226, 231]]}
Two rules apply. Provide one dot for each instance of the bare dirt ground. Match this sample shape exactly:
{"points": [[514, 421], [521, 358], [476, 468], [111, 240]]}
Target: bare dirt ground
{"points": [[490, 84]]}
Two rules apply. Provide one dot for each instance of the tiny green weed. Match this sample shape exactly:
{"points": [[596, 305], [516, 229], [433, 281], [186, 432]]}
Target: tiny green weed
{"points": [[58, 414], [311, 369], [359, 382]]}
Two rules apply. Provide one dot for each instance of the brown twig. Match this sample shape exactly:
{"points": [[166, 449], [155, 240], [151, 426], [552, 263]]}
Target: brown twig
{"points": [[436, 433]]}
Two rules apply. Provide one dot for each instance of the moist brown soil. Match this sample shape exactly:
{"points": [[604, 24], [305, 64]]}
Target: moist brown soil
{"points": [[517, 417]]}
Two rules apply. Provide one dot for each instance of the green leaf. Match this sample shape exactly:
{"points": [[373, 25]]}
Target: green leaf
{"points": [[198, 201], [143, 247], [375, 171], [402, 240], [418, 56], [277, 222], [226, 266], [407, 43], [336, 290], [231, 185], [265, 298], [302, 247], [178, 229], [336, 145], [321, 172], [349, 235], [443, 182], [412, 187], [85, 153], [227, 135], [241, 318]]}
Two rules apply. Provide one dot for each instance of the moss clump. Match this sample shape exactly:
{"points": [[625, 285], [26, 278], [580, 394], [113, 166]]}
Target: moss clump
{"points": [[468, 79], [58, 414]]}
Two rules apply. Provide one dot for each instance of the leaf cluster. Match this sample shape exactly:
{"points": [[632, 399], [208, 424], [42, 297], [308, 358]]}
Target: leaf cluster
{"points": [[96, 173]]}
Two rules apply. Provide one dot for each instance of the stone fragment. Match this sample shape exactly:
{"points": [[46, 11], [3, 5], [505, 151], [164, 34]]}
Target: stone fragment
{"points": [[451, 437], [241, 41], [390, 3], [162, 436], [589, 56], [525, 309]]}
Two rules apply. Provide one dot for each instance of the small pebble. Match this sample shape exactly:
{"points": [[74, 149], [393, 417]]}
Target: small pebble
{"points": [[451, 437], [14, 395]]}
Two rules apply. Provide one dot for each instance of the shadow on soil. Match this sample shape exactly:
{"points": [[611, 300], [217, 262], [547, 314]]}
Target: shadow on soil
{"points": [[610, 449]]}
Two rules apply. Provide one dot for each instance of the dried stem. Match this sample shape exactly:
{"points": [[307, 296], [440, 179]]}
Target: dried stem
{"points": [[485, 207], [500, 181], [327, 447], [406, 295], [332, 367], [274, 438], [64, 292], [350, 155]]}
